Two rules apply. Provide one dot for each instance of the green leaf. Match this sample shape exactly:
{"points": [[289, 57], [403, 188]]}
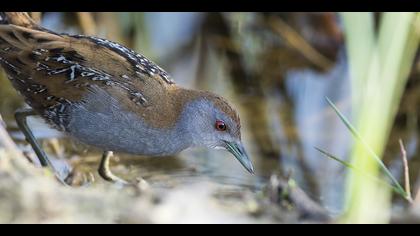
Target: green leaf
{"points": [[353, 168], [368, 148], [329, 155]]}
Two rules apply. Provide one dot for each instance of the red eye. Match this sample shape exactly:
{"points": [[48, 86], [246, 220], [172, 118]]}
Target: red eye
{"points": [[220, 125]]}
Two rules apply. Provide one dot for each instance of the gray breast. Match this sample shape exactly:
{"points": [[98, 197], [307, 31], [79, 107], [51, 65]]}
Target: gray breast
{"points": [[100, 121]]}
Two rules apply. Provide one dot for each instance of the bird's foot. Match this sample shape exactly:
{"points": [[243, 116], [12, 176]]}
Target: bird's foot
{"points": [[105, 172]]}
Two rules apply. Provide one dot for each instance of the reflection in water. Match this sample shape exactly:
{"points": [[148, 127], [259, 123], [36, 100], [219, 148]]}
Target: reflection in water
{"points": [[318, 126]]}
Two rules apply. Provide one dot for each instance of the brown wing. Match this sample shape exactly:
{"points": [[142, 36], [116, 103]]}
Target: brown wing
{"points": [[52, 71]]}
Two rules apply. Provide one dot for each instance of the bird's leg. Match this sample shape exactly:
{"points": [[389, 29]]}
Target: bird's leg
{"points": [[21, 120], [105, 172]]}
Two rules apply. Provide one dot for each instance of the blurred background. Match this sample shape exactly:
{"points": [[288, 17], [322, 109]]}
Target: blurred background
{"points": [[275, 68]]}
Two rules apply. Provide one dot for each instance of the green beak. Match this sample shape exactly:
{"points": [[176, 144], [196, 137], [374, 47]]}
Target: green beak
{"points": [[238, 150]]}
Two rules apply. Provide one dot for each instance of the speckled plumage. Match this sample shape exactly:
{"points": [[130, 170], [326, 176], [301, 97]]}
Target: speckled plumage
{"points": [[107, 95]]}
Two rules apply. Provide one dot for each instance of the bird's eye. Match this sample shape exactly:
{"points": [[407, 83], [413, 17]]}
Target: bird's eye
{"points": [[220, 125]]}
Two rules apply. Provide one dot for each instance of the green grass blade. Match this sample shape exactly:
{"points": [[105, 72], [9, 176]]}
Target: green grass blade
{"points": [[353, 168], [367, 147], [329, 155]]}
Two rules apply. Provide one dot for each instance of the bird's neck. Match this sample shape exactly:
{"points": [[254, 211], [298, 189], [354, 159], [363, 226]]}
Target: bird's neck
{"points": [[193, 107]]}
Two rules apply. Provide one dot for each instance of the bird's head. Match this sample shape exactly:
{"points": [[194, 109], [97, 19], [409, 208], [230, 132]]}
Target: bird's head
{"points": [[213, 123]]}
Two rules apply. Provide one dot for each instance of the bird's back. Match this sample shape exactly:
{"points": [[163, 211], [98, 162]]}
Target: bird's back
{"points": [[54, 71]]}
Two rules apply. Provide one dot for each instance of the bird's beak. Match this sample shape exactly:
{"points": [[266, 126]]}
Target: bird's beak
{"points": [[238, 150]]}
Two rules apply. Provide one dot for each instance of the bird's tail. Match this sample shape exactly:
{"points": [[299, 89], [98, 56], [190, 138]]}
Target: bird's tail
{"points": [[17, 29], [13, 27], [18, 18]]}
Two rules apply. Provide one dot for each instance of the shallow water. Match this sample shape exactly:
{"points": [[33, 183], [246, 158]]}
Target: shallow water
{"points": [[281, 99]]}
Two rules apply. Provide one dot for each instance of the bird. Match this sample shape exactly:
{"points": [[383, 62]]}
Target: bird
{"points": [[108, 96]]}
